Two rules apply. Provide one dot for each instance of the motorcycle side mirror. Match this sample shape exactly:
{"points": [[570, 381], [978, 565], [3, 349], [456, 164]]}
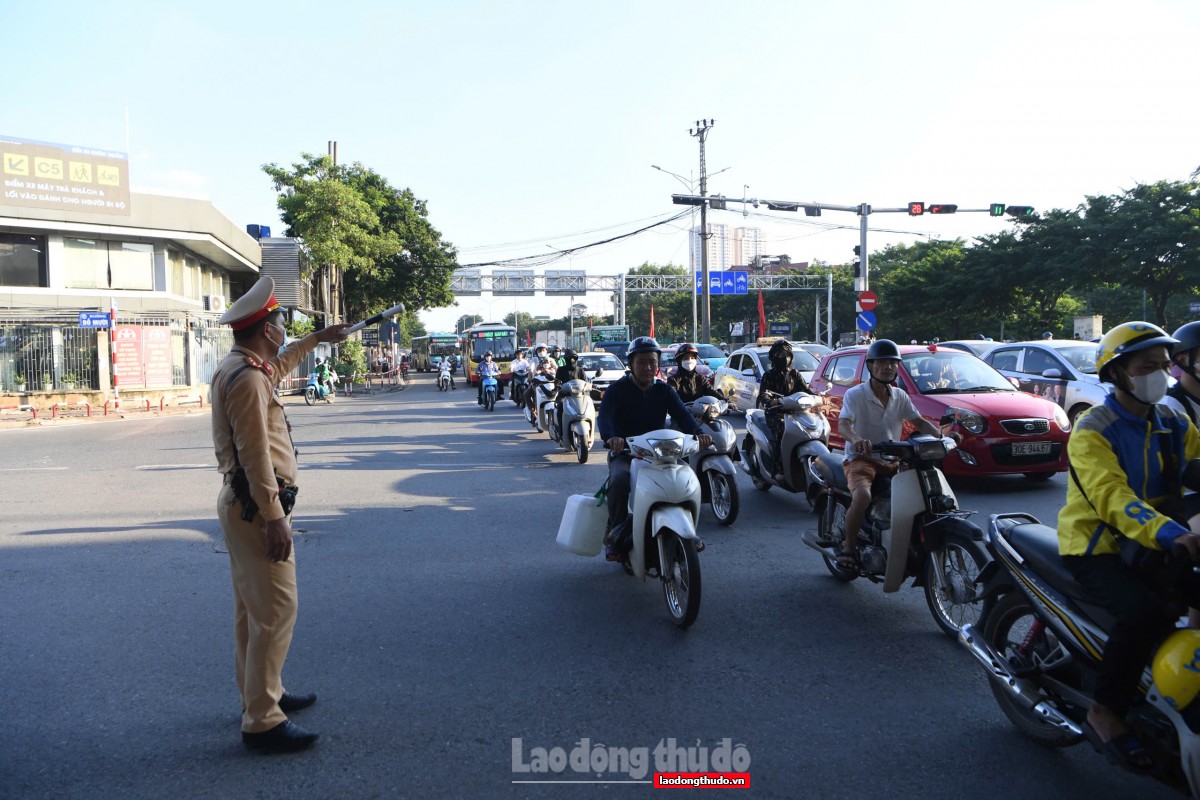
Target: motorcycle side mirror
{"points": [[947, 419]]}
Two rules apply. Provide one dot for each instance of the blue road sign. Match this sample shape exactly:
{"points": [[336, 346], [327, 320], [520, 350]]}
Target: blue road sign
{"points": [[783, 329], [741, 282], [699, 283], [93, 319], [714, 282], [866, 320]]}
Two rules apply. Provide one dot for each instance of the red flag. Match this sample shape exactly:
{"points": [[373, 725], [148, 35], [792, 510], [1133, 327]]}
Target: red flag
{"points": [[528, 341], [762, 316], [651, 322]]}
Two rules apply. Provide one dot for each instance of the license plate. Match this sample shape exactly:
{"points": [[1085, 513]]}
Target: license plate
{"points": [[1031, 448]]}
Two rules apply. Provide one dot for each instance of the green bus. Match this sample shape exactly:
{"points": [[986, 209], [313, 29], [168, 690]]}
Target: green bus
{"points": [[428, 351]]}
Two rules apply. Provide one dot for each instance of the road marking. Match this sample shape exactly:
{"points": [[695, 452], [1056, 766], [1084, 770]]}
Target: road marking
{"points": [[31, 469], [176, 466]]}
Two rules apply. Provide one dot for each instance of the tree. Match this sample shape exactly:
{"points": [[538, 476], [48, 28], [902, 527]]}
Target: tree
{"points": [[1147, 239], [376, 236], [466, 321], [672, 310]]}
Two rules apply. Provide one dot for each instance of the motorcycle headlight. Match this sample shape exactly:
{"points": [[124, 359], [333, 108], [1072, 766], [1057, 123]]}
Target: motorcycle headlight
{"points": [[968, 420], [931, 450], [666, 448], [1061, 419]]}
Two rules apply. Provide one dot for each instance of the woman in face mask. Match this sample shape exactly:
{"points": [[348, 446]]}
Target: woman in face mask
{"points": [[780, 378], [1127, 456], [687, 382]]}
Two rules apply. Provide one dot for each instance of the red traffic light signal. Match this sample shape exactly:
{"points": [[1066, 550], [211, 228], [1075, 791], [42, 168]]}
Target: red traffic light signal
{"points": [[916, 209], [943, 209]]}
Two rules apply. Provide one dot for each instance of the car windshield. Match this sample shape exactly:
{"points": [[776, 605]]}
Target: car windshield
{"points": [[804, 361], [709, 351], [1082, 357], [667, 359], [592, 362], [951, 371]]}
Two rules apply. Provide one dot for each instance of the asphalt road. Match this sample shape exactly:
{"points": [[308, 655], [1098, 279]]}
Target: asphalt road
{"points": [[449, 637]]}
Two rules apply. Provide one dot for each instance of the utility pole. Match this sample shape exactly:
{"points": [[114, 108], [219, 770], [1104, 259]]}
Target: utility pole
{"points": [[333, 276], [703, 126]]}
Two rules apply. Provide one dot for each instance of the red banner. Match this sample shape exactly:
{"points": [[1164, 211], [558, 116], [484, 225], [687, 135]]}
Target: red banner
{"points": [[651, 322]]}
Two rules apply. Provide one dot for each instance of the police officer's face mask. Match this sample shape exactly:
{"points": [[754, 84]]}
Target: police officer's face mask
{"points": [[279, 338]]}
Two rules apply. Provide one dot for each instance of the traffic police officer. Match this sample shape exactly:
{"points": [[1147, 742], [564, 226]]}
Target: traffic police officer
{"points": [[254, 448]]}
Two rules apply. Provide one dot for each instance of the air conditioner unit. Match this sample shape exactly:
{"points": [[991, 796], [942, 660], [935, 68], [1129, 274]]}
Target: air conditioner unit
{"points": [[214, 302]]}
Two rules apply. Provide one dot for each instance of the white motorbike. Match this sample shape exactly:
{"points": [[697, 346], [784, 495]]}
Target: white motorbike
{"points": [[578, 419], [443, 381], [545, 392], [664, 506], [714, 465]]}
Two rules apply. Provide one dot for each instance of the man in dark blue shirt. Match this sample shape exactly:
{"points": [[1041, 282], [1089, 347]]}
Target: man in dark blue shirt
{"points": [[634, 405]]}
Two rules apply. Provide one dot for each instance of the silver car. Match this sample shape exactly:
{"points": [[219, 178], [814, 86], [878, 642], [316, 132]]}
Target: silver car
{"points": [[740, 376], [610, 368], [1062, 370]]}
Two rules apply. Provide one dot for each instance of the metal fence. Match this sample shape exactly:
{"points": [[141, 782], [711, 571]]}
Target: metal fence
{"points": [[151, 352], [47, 357]]}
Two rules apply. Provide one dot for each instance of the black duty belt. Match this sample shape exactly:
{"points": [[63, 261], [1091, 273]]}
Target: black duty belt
{"points": [[241, 491]]}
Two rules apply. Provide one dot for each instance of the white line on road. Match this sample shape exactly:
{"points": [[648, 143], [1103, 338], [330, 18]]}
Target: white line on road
{"points": [[31, 469], [176, 466]]}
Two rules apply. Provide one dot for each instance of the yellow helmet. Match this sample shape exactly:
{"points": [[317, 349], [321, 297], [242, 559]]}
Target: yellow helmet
{"points": [[1176, 668], [1130, 337]]}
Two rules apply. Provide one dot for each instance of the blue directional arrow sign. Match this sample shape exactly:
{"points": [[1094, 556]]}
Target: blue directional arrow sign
{"points": [[714, 282], [866, 320], [741, 283]]}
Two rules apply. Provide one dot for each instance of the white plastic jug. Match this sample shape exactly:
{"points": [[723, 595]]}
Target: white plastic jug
{"points": [[583, 525]]}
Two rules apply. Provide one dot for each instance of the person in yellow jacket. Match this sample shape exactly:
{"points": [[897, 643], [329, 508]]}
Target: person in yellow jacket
{"points": [[1127, 456], [254, 450]]}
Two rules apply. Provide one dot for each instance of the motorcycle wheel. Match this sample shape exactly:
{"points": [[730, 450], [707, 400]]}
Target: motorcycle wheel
{"points": [[960, 560], [582, 448], [832, 528], [517, 398], [1005, 627], [310, 395], [751, 454], [723, 496], [681, 579], [489, 400]]}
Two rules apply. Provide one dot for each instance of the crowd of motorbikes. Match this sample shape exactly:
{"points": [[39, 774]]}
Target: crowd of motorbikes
{"points": [[1001, 592]]}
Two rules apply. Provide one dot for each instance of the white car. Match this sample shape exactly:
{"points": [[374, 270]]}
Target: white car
{"points": [[1061, 370], [740, 376], [611, 369]]}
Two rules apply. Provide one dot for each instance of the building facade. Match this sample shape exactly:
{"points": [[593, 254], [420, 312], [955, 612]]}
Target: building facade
{"points": [[727, 247]]}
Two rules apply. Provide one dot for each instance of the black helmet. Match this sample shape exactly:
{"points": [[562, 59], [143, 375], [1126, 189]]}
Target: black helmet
{"points": [[488, 354], [1047, 335], [643, 344], [781, 346], [883, 349], [687, 348], [570, 356], [1189, 338]]}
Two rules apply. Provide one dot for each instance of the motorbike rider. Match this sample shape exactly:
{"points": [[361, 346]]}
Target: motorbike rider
{"points": [[445, 368], [487, 369], [1184, 396], [636, 404], [872, 412], [322, 370], [557, 355], [569, 371], [687, 382], [520, 366], [1127, 455], [782, 380]]}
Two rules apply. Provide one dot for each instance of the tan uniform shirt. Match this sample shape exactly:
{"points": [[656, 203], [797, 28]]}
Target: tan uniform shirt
{"points": [[249, 425]]}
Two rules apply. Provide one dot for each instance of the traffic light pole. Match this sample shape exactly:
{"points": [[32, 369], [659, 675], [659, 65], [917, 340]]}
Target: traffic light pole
{"points": [[701, 130]]}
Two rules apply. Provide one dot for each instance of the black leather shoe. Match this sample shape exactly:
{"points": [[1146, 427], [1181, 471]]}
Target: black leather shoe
{"points": [[286, 737], [294, 702]]}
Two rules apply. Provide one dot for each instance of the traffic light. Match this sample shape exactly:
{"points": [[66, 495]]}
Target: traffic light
{"points": [[717, 203], [858, 249], [686, 200], [857, 267], [1020, 211], [943, 209], [781, 205], [812, 211], [997, 209], [916, 209]]}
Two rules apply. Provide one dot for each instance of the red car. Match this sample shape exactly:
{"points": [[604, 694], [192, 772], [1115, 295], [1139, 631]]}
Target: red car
{"points": [[1005, 431]]}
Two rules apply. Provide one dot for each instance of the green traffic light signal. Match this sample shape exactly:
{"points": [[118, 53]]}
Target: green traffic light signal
{"points": [[997, 209], [1020, 211]]}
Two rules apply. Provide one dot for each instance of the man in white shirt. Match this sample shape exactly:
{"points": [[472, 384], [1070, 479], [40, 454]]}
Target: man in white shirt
{"points": [[874, 411]]}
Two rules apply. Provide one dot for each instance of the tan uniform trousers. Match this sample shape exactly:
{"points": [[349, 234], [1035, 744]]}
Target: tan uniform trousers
{"points": [[264, 613]]}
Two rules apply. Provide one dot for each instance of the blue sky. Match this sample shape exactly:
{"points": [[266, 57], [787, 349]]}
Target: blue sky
{"points": [[529, 126]]}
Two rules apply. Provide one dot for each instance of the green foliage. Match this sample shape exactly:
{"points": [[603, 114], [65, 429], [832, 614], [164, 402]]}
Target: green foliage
{"points": [[351, 217], [672, 310], [300, 328], [351, 359]]}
